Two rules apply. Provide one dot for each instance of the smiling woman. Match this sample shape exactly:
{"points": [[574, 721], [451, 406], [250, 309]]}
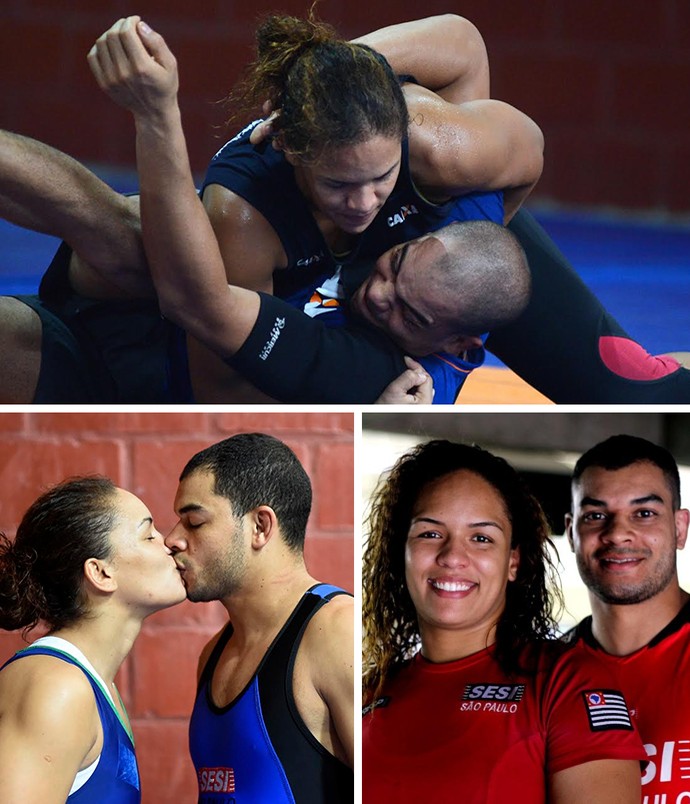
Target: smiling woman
{"points": [[456, 650], [88, 562], [459, 559]]}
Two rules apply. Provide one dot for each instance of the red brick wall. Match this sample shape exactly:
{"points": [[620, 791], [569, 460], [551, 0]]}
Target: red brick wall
{"points": [[608, 82], [145, 452]]}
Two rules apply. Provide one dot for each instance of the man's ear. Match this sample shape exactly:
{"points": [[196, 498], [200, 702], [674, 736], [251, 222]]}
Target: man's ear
{"points": [[264, 526], [682, 520], [99, 574], [569, 530]]}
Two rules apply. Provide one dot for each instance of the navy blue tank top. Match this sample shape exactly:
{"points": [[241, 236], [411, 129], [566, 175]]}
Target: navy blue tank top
{"points": [[266, 180]]}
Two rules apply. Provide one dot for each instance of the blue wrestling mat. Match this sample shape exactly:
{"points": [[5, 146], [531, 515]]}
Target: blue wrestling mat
{"points": [[640, 271]]}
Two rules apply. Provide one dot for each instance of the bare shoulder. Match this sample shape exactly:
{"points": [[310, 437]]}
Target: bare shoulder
{"points": [[325, 668], [45, 699], [432, 117], [477, 145], [330, 632], [249, 244], [229, 212], [429, 116], [49, 728], [45, 684]]}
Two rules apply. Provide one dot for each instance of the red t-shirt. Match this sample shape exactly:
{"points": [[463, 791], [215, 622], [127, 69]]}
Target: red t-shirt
{"points": [[656, 682], [464, 731]]}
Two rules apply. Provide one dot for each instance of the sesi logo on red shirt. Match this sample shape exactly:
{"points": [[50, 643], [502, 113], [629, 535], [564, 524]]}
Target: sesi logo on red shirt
{"points": [[493, 692]]}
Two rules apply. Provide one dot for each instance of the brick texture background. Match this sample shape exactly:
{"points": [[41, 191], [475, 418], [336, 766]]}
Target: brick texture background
{"points": [[145, 452], [607, 82]]}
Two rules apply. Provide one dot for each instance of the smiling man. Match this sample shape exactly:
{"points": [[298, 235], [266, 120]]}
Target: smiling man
{"points": [[625, 528]]}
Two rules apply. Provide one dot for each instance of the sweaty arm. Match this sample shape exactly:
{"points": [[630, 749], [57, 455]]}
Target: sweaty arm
{"points": [[48, 730], [489, 146], [47, 191], [445, 53], [604, 781], [249, 245], [251, 251], [478, 145]]}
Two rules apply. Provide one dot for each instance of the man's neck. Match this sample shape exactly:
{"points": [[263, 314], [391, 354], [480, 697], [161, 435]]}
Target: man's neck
{"points": [[624, 629], [263, 604]]}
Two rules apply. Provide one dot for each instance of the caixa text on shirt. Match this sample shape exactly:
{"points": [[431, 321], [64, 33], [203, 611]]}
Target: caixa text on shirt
{"points": [[278, 326], [399, 217], [303, 262]]}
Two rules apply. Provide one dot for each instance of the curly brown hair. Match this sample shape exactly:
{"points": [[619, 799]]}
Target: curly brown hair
{"points": [[330, 92], [390, 629]]}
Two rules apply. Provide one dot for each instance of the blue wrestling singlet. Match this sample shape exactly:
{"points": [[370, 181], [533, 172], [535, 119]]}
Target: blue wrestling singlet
{"points": [[257, 749], [116, 777]]}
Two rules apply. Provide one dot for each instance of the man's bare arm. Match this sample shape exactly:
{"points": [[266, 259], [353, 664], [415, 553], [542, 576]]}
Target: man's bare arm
{"points": [[458, 146], [445, 53], [478, 145], [48, 191], [329, 641]]}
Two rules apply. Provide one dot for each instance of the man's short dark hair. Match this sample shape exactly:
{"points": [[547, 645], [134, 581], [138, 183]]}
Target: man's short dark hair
{"points": [[253, 469], [620, 451], [485, 267]]}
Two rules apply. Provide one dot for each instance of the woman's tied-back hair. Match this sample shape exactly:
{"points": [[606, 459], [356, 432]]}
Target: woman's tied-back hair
{"points": [[391, 632], [41, 572], [330, 92]]}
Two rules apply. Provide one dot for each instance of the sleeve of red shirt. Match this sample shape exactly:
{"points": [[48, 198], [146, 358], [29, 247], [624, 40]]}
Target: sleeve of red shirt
{"points": [[587, 717]]}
